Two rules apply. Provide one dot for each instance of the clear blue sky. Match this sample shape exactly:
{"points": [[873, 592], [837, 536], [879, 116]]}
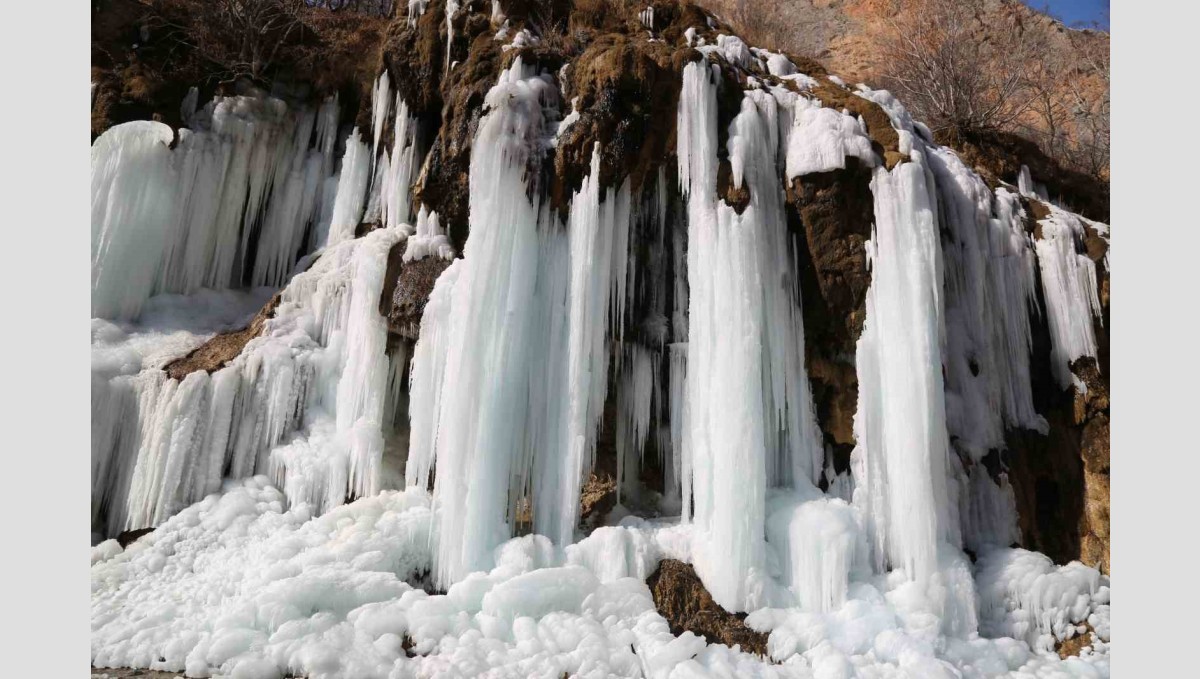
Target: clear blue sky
{"points": [[1075, 12]]}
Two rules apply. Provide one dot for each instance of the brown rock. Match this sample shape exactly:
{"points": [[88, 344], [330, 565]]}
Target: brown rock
{"points": [[217, 352], [682, 599], [831, 213], [409, 293]]}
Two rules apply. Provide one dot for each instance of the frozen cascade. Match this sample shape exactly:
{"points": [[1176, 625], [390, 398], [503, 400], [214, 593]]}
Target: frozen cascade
{"points": [[901, 462], [319, 367], [529, 310], [637, 393], [990, 294], [428, 378], [247, 177], [749, 422], [1072, 294], [353, 187]]}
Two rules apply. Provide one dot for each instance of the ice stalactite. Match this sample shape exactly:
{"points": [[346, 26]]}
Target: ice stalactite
{"points": [[901, 460], [245, 180], [1071, 290], [637, 392], [406, 161], [415, 9], [354, 183], [319, 367], [990, 295], [479, 433], [598, 234], [381, 101], [750, 421]]}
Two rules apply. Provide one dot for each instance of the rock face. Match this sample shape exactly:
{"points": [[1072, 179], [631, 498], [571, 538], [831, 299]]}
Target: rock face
{"points": [[682, 599], [410, 289], [833, 212]]}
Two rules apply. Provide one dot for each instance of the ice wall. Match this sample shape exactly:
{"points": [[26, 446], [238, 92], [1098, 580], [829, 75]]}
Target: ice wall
{"points": [[226, 202], [900, 461], [749, 417], [303, 403], [1071, 289]]}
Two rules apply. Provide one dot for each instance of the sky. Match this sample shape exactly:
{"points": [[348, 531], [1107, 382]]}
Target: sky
{"points": [[1075, 12]]}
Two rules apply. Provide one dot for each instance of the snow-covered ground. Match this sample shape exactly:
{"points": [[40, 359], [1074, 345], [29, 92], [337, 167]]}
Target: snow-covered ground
{"points": [[236, 585]]}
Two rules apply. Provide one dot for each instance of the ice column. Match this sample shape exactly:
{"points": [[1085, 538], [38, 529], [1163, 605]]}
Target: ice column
{"points": [[245, 179], [900, 460], [1072, 294], [480, 439], [749, 420]]}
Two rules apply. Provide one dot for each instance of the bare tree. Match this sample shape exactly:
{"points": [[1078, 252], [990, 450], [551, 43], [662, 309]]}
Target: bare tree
{"points": [[1091, 104], [937, 57], [243, 37]]}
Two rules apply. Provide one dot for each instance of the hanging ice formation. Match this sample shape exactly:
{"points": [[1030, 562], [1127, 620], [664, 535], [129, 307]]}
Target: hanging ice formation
{"points": [[248, 182], [749, 421], [231, 201], [520, 329], [319, 369], [1071, 290]]}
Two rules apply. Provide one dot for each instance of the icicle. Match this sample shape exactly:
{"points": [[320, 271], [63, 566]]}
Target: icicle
{"points": [[415, 9], [451, 9], [750, 418], [405, 163], [598, 239], [900, 460], [351, 190], [319, 366], [637, 392], [646, 16], [1071, 291], [381, 100], [245, 179]]}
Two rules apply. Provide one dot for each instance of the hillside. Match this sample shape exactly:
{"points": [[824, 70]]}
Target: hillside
{"points": [[577, 338]]}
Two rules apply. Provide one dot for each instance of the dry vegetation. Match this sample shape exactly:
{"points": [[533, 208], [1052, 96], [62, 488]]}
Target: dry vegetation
{"points": [[146, 53], [969, 68]]}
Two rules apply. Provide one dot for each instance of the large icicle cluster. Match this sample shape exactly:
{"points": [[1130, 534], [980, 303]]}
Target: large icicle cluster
{"points": [[160, 444], [1071, 289], [748, 421], [510, 373], [231, 200]]}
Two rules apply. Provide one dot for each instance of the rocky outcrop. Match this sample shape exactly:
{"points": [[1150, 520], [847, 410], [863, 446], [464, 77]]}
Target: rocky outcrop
{"points": [[218, 351], [409, 293], [831, 213], [682, 599]]}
